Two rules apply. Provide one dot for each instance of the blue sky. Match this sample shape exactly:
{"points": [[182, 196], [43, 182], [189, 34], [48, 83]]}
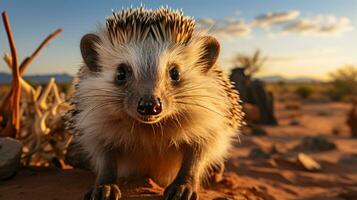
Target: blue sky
{"points": [[310, 38]]}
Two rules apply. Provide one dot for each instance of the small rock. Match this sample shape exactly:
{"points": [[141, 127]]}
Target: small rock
{"points": [[323, 113], [10, 151], [258, 131], [274, 149], [273, 163], [349, 193], [352, 120], [348, 159], [336, 131], [294, 122], [308, 163], [293, 106], [315, 143], [252, 112], [258, 153]]}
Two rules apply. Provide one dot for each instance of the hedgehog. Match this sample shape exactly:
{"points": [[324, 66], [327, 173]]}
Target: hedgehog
{"points": [[151, 100]]}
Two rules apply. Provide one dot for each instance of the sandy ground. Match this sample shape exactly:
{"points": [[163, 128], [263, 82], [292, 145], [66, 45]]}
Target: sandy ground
{"points": [[279, 177]]}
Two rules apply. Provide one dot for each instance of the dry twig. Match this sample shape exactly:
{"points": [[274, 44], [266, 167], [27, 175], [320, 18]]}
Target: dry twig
{"points": [[12, 99], [14, 103]]}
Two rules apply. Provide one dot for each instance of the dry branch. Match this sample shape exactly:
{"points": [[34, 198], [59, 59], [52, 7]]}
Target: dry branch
{"points": [[29, 59], [41, 112], [16, 85], [10, 37]]}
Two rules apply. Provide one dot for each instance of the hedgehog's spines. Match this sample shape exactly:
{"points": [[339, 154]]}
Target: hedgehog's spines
{"points": [[140, 23]]}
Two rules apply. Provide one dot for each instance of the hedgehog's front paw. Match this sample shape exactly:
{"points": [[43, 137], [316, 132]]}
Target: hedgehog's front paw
{"points": [[181, 191], [104, 192]]}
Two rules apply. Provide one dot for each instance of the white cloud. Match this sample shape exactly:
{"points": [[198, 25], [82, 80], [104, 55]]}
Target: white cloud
{"points": [[227, 29], [238, 12], [206, 22], [320, 25], [269, 19], [288, 22]]}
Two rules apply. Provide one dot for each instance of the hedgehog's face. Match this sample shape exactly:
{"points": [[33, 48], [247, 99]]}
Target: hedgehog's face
{"points": [[148, 97], [151, 81]]}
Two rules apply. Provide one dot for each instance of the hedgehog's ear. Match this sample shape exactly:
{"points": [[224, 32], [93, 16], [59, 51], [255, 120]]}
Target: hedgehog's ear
{"points": [[211, 48], [89, 53]]}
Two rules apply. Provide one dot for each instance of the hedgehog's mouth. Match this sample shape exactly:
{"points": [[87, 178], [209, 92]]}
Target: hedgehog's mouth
{"points": [[148, 119]]}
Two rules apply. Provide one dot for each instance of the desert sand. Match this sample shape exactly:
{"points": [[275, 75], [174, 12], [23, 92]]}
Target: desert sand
{"points": [[275, 175]]}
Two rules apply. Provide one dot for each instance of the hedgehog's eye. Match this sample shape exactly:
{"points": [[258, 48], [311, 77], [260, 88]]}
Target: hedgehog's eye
{"points": [[175, 73], [122, 73]]}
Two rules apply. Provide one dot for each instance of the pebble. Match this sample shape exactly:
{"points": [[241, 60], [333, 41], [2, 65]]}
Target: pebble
{"points": [[308, 163], [10, 155], [315, 143], [258, 153]]}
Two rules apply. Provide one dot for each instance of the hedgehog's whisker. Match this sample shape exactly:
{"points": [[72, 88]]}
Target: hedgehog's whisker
{"points": [[194, 96], [162, 130], [132, 127], [177, 122], [200, 106], [184, 116], [187, 89], [104, 104], [153, 129], [101, 96], [107, 90], [195, 91]]}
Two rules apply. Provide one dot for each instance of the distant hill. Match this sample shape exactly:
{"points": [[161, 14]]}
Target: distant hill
{"points": [[5, 78], [276, 78]]}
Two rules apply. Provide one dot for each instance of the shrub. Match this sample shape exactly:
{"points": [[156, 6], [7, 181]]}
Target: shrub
{"points": [[344, 83], [303, 91]]}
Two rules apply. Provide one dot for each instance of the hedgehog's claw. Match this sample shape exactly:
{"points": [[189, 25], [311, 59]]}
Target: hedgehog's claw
{"points": [[103, 192], [180, 191]]}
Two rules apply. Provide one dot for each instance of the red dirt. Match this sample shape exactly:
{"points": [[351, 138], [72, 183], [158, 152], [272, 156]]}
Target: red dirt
{"points": [[277, 178]]}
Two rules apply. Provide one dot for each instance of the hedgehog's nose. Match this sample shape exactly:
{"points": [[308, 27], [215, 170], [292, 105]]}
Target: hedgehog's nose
{"points": [[149, 106]]}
